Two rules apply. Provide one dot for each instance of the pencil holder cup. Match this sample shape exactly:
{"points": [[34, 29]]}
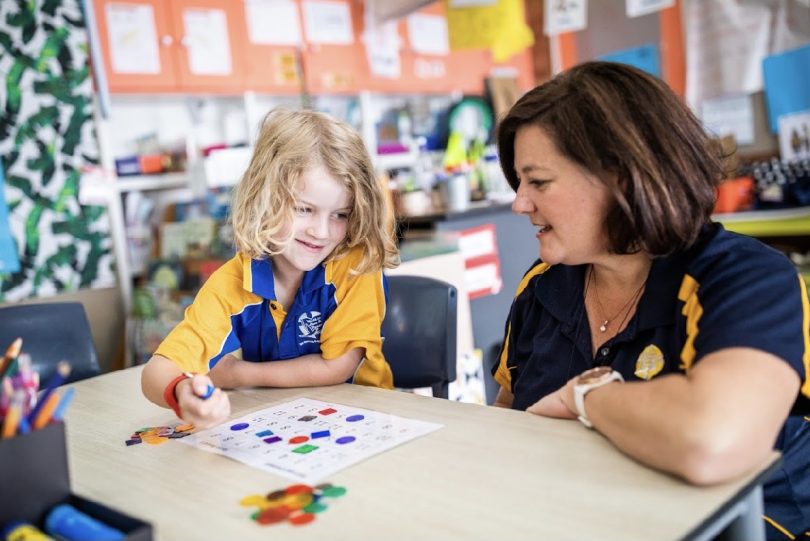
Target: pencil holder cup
{"points": [[34, 478]]}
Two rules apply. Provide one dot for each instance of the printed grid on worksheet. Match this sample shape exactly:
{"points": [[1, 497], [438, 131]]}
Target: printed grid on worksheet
{"points": [[307, 440]]}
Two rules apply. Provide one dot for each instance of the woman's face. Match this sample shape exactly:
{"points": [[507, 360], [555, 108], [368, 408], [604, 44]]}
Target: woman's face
{"points": [[566, 203]]}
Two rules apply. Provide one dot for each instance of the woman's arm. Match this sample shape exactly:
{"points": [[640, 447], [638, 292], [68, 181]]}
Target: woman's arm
{"points": [[305, 371], [708, 426], [203, 413]]}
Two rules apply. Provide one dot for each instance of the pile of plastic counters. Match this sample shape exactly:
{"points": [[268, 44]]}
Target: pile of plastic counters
{"points": [[155, 435], [296, 504]]}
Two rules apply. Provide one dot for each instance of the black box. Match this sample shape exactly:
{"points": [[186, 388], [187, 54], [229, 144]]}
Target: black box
{"points": [[34, 477]]}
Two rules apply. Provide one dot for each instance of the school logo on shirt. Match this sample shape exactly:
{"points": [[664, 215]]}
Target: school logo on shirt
{"points": [[309, 327], [650, 362]]}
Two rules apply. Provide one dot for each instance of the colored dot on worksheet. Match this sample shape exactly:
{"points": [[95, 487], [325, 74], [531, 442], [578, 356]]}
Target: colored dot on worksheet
{"points": [[354, 418], [239, 426]]}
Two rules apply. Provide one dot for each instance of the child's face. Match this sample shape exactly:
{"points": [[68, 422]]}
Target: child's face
{"points": [[320, 223]]}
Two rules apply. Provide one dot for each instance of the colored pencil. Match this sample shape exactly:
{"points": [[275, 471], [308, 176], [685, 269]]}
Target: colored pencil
{"points": [[58, 378], [12, 352], [208, 390], [13, 416], [64, 402], [45, 413]]}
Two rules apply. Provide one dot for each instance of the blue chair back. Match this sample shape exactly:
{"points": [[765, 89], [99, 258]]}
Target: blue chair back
{"points": [[419, 333], [51, 332]]}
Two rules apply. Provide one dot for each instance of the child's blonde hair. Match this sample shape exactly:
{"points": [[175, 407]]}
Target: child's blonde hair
{"points": [[290, 143]]}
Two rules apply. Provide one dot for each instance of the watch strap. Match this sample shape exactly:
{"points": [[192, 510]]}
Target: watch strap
{"points": [[579, 396]]}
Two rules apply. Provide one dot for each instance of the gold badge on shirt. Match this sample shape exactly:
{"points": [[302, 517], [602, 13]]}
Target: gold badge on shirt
{"points": [[650, 362]]}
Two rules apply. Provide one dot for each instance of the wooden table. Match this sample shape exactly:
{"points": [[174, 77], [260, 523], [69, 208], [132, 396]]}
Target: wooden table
{"points": [[488, 473]]}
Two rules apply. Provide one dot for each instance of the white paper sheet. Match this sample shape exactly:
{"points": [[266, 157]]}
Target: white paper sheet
{"points": [[206, 38], [273, 22], [133, 38], [308, 440], [567, 16], [730, 115], [637, 8], [328, 22], [427, 34]]}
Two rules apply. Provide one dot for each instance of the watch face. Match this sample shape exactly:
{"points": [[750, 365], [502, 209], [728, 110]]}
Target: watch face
{"points": [[594, 375]]}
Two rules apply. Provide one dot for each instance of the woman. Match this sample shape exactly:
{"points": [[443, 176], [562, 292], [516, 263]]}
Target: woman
{"points": [[699, 336]]}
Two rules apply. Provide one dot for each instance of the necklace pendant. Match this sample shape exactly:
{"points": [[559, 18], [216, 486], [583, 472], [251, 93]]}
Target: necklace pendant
{"points": [[603, 326]]}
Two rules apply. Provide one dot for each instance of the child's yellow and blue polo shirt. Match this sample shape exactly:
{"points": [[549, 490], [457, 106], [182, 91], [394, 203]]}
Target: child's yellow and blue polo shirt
{"points": [[728, 290], [236, 309]]}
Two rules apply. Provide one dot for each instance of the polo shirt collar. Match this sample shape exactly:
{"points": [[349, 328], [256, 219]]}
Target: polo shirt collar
{"points": [[562, 289], [561, 294], [258, 278]]}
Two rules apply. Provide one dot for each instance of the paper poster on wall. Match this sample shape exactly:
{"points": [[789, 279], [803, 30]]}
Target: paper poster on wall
{"points": [[787, 83], [133, 38], [328, 22], [794, 136], [565, 16], [427, 34], [9, 261], [207, 43], [645, 57], [637, 8], [382, 44], [730, 115], [482, 266], [273, 22], [726, 42]]}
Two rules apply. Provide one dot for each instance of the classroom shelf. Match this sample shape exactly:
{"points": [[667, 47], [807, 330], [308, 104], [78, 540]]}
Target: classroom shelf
{"points": [[142, 183], [768, 223]]}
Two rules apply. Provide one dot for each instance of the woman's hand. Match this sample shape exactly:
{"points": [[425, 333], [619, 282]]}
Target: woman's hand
{"points": [[559, 404], [202, 412]]}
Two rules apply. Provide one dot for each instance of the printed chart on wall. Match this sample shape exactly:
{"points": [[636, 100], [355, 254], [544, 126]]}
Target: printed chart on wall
{"points": [[308, 440]]}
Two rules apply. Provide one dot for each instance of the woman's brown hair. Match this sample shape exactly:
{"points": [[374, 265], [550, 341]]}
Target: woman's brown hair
{"points": [[631, 131]]}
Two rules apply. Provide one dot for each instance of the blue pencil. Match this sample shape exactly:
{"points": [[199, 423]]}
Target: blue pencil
{"points": [[64, 402]]}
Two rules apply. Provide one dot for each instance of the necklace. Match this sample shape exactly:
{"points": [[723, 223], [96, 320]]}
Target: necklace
{"points": [[604, 326]]}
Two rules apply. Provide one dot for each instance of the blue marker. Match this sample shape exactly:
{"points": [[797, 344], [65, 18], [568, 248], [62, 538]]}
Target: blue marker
{"points": [[66, 522], [208, 391]]}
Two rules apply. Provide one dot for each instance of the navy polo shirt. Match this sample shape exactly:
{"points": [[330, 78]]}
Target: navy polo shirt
{"points": [[728, 290]]}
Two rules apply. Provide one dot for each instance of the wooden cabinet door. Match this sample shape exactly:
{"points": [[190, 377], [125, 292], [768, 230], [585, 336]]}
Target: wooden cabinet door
{"points": [[270, 65], [137, 44], [210, 51]]}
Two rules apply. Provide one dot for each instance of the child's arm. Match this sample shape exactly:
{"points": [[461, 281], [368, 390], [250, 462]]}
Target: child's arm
{"points": [[305, 371], [159, 372]]}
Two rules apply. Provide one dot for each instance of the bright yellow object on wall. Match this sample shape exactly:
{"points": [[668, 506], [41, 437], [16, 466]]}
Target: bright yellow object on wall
{"points": [[500, 26]]}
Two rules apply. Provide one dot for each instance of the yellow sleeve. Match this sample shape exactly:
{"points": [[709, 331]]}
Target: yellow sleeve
{"points": [[502, 374], [357, 320], [206, 325]]}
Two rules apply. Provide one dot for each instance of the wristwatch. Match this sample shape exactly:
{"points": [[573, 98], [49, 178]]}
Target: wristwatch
{"points": [[587, 382]]}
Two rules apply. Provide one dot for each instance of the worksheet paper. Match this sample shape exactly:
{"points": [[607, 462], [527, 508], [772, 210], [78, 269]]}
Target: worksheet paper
{"points": [[308, 440]]}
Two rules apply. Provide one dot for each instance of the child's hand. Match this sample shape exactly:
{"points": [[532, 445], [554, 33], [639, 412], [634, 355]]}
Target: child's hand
{"points": [[202, 412]]}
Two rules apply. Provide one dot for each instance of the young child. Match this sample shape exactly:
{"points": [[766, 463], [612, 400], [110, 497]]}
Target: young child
{"points": [[302, 302]]}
